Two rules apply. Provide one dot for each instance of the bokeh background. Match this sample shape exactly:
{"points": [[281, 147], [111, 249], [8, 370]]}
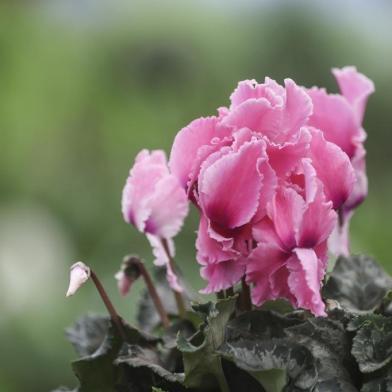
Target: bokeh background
{"points": [[84, 85]]}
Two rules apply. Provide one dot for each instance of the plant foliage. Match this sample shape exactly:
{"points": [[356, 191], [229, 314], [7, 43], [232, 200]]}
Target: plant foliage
{"points": [[271, 349]]}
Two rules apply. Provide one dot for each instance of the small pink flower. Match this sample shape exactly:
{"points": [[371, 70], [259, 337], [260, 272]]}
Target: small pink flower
{"points": [[154, 201], [130, 272]]}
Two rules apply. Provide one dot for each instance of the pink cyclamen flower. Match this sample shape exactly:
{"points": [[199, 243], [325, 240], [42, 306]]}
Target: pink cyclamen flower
{"points": [[229, 165], [289, 260], [268, 174], [234, 187], [340, 118], [155, 203]]}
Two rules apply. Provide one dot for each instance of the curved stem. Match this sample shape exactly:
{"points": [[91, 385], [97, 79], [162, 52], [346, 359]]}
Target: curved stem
{"points": [[177, 295], [223, 385], [109, 305], [245, 296], [154, 295]]}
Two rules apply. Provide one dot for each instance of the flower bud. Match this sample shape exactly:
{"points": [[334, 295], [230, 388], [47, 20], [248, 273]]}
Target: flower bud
{"points": [[129, 273], [79, 275]]}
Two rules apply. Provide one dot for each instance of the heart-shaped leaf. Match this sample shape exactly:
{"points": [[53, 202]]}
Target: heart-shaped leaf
{"points": [[358, 283]]}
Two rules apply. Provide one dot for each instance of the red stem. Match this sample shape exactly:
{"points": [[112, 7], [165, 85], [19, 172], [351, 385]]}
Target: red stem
{"points": [[109, 306]]}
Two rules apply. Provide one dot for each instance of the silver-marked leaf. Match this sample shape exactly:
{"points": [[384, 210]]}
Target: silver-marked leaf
{"points": [[372, 344], [258, 356], [378, 384], [140, 370], [259, 324], [329, 344], [96, 372], [88, 333], [202, 364], [358, 283]]}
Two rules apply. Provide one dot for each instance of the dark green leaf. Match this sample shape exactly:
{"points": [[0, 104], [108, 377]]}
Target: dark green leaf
{"points": [[329, 344], [96, 373], [358, 283], [135, 336], [379, 384], [258, 324], [170, 356], [140, 370], [372, 344], [258, 356], [240, 380], [278, 305], [88, 333], [314, 352], [202, 364]]}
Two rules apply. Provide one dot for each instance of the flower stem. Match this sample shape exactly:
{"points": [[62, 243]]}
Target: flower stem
{"points": [[223, 385], [154, 294], [177, 295], [246, 303], [230, 292], [220, 294], [109, 306]]}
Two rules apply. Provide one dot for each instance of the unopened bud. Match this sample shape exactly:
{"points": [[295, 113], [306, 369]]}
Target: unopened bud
{"points": [[78, 276], [129, 273]]}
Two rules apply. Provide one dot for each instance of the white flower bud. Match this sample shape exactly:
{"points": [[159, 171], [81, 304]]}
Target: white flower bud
{"points": [[78, 276]]}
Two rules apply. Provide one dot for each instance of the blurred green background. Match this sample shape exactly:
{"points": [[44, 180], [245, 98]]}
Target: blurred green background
{"points": [[84, 85]]}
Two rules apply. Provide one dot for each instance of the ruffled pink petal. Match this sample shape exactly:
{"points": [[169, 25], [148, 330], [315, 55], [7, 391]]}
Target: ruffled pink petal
{"points": [[161, 259], [168, 208], [264, 260], [279, 117], [264, 231], [279, 285], [318, 221], [270, 183], [187, 143], [297, 110], [304, 280], [284, 158], [339, 241], [333, 115], [286, 211], [209, 249], [217, 148], [360, 190], [355, 87], [140, 185], [221, 276], [333, 168], [252, 114], [229, 188], [304, 180], [250, 89]]}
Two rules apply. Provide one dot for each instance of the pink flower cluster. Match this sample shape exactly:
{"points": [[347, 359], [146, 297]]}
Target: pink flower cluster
{"points": [[273, 175]]}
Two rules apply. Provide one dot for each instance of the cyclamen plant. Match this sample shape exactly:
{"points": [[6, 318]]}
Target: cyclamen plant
{"points": [[275, 177]]}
